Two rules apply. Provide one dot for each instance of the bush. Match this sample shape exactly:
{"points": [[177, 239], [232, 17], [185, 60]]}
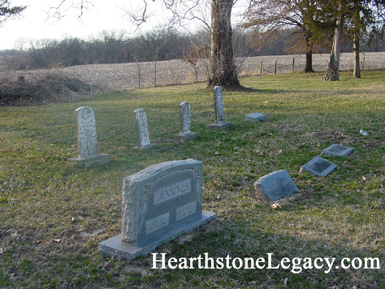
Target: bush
{"points": [[21, 88]]}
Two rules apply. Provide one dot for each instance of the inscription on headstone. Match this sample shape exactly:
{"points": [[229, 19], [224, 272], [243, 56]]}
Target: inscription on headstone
{"points": [[319, 167], [185, 123], [337, 150], [87, 140], [159, 203], [220, 122], [276, 185], [255, 117], [142, 134]]}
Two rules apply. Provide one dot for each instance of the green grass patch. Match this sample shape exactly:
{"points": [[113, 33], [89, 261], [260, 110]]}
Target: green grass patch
{"points": [[53, 215]]}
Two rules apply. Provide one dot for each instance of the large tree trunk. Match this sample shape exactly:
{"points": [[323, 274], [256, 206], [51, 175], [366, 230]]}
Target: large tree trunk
{"points": [[223, 70], [356, 50], [332, 72], [309, 54]]}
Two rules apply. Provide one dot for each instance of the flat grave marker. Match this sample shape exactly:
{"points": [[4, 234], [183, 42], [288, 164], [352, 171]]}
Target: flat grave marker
{"points": [[159, 203], [319, 167], [255, 117], [87, 140], [337, 150], [220, 122], [276, 185]]}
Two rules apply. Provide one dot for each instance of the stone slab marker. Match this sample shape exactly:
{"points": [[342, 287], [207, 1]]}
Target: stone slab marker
{"points": [[142, 134], [319, 167], [87, 140], [159, 203], [337, 150], [185, 124], [255, 117], [276, 185], [220, 122]]}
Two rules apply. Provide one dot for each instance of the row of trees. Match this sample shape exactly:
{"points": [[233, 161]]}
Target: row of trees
{"points": [[317, 21], [320, 23]]}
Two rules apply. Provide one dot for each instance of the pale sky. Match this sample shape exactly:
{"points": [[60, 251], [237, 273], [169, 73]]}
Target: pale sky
{"points": [[35, 23]]}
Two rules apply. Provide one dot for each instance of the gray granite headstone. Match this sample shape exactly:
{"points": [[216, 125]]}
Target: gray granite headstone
{"points": [[159, 203], [220, 122], [142, 134], [255, 117], [319, 167], [87, 140], [276, 185], [337, 150], [185, 124]]}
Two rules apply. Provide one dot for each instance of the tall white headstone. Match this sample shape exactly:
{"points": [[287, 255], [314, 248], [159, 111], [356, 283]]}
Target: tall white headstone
{"points": [[185, 123], [87, 140], [220, 122], [142, 134]]}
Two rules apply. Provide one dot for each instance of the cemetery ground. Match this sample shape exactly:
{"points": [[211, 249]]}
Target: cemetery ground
{"points": [[53, 215]]}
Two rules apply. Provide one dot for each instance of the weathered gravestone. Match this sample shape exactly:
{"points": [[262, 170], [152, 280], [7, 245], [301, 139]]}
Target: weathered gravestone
{"points": [[255, 117], [185, 124], [319, 167], [142, 134], [87, 141], [159, 203], [276, 185], [220, 122], [337, 150]]}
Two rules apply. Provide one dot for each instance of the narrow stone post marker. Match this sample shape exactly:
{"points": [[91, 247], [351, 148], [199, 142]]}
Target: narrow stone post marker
{"points": [[185, 123], [87, 141], [142, 134], [220, 122]]}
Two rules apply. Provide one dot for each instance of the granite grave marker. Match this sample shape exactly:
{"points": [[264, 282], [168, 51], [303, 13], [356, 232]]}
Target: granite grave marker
{"points": [[276, 185], [87, 140], [337, 150], [185, 124], [319, 167], [220, 122], [255, 117], [159, 203]]}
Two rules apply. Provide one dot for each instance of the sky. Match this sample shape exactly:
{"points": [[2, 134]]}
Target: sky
{"points": [[37, 21]]}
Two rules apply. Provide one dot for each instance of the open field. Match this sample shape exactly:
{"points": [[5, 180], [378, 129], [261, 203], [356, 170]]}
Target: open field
{"points": [[53, 215], [147, 74]]}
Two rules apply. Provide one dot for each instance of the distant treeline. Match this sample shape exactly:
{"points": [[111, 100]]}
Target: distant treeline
{"points": [[113, 47]]}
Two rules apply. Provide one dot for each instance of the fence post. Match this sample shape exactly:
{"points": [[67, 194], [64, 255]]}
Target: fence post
{"points": [[261, 69], [275, 67], [292, 68]]}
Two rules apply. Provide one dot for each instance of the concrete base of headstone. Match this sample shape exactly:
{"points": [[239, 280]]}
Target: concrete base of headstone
{"points": [[114, 247], [319, 167], [90, 161], [186, 136], [220, 126], [337, 151], [276, 185], [255, 117], [147, 147]]}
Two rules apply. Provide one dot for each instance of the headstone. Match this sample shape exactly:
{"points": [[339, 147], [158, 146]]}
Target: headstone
{"points": [[185, 124], [255, 117], [159, 203], [337, 150], [142, 134], [319, 167], [87, 140], [220, 122], [276, 185]]}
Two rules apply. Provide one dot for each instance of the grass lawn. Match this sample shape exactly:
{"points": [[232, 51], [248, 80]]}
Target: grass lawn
{"points": [[53, 215]]}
